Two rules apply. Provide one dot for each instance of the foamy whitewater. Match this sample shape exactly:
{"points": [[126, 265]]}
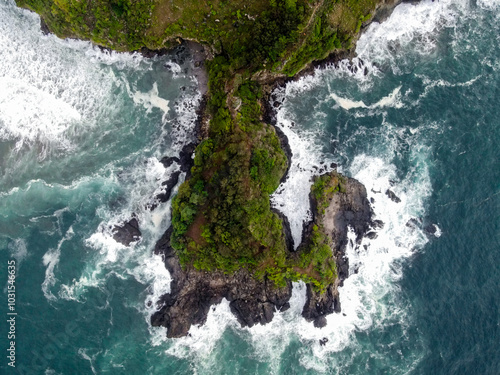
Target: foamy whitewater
{"points": [[82, 133]]}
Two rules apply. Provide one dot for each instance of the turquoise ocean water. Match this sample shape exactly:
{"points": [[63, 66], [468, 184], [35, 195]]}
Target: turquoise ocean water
{"points": [[81, 135]]}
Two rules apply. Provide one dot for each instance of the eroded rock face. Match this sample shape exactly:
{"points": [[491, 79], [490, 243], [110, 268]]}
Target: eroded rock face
{"points": [[319, 305], [192, 293]]}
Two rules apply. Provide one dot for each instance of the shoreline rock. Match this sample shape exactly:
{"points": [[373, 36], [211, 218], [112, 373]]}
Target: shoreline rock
{"points": [[347, 208], [127, 233], [193, 292]]}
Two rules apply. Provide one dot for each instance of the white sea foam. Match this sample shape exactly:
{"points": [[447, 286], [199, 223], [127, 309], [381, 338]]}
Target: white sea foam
{"points": [[28, 113], [391, 100], [153, 269], [438, 233], [431, 85], [412, 25], [82, 352], [51, 87], [203, 339], [151, 100], [489, 4], [306, 154], [186, 116], [111, 255], [175, 68], [141, 183], [51, 260]]}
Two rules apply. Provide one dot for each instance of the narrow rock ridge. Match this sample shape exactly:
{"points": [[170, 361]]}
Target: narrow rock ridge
{"points": [[348, 208]]}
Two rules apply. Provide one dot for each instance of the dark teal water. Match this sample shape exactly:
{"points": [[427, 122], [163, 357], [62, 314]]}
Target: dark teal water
{"points": [[81, 135]]}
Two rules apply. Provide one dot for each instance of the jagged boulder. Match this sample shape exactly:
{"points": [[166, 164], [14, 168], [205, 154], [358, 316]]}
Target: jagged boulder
{"points": [[127, 233]]}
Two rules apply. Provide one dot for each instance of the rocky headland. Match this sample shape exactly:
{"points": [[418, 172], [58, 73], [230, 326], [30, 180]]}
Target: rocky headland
{"points": [[253, 301], [226, 241]]}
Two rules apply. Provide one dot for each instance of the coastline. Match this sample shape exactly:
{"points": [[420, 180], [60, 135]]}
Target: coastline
{"points": [[219, 284]]}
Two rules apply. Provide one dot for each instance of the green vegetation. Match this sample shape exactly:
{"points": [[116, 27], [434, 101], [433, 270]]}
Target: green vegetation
{"points": [[280, 35], [221, 216], [117, 24], [323, 189]]}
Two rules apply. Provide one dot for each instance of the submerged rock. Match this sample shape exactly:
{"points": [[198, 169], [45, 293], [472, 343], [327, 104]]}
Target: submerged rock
{"points": [[167, 161], [431, 229]]}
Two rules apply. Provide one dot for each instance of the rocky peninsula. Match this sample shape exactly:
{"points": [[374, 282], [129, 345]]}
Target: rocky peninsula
{"points": [[225, 240]]}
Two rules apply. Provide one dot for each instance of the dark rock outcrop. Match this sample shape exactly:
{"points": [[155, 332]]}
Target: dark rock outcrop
{"points": [[392, 196], [185, 162], [349, 208], [168, 186], [192, 292], [323, 341], [287, 232], [186, 158], [319, 305], [127, 233], [43, 27]]}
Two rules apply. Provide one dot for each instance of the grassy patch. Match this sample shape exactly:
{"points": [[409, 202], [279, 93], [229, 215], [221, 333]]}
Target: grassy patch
{"points": [[323, 189]]}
